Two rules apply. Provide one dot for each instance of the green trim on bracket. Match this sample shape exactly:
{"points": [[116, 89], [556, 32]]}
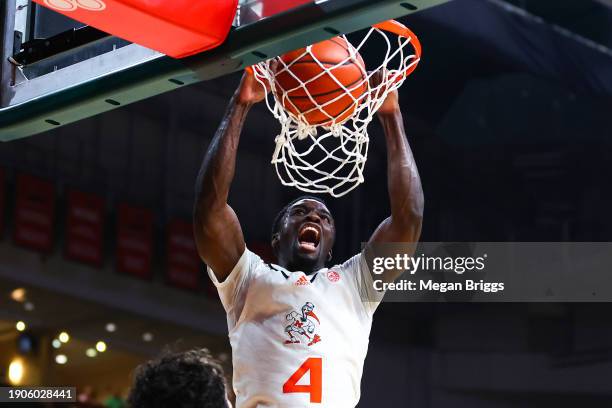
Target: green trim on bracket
{"points": [[245, 46]]}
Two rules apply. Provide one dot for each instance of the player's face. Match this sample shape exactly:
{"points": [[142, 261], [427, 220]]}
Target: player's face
{"points": [[306, 236]]}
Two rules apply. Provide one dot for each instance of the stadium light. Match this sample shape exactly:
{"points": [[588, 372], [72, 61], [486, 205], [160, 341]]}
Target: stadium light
{"points": [[16, 371], [18, 295], [101, 346]]}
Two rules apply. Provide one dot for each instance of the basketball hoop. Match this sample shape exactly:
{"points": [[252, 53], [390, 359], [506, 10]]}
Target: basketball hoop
{"points": [[330, 157]]}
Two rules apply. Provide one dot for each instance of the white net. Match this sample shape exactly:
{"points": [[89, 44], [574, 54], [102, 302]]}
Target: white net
{"points": [[329, 156]]}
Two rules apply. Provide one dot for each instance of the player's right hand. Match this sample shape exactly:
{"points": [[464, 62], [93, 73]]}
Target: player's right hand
{"points": [[391, 103], [250, 90]]}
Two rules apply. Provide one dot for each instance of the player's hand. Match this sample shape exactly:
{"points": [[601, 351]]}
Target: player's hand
{"points": [[250, 90], [391, 103]]}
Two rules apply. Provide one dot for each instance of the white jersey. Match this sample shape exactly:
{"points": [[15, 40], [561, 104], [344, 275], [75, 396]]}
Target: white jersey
{"points": [[297, 340]]}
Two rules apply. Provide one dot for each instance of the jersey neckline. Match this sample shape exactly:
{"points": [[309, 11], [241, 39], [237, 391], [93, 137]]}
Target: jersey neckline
{"points": [[287, 273]]}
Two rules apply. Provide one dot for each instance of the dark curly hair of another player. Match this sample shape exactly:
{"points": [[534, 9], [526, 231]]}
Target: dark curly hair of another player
{"points": [[279, 217], [191, 379]]}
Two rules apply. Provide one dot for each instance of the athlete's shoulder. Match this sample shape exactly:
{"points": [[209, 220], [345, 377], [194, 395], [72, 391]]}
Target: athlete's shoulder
{"points": [[252, 265], [350, 265]]}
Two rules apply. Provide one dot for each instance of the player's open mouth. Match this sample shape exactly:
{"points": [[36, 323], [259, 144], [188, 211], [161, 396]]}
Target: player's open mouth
{"points": [[309, 237]]}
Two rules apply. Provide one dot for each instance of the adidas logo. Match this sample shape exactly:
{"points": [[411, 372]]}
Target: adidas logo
{"points": [[302, 281]]}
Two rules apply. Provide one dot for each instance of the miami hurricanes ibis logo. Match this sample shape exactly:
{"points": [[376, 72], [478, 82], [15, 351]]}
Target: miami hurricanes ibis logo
{"points": [[303, 326], [71, 5], [333, 276]]}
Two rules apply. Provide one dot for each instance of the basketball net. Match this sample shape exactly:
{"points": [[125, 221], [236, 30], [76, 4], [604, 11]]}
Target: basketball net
{"points": [[330, 158]]}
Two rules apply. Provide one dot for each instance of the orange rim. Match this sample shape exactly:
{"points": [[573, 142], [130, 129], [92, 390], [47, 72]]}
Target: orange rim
{"points": [[396, 28], [401, 30]]}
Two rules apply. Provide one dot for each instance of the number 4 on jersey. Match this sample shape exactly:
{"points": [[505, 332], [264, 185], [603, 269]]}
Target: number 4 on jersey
{"points": [[315, 366]]}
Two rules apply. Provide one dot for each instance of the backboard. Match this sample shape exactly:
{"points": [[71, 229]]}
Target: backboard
{"points": [[55, 71]]}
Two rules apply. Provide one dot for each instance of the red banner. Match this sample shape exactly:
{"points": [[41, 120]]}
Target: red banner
{"points": [[134, 241], [85, 228], [2, 199], [34, 213], [184, 265]]}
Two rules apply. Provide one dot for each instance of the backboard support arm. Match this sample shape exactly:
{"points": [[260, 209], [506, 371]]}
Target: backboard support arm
{"points": [[7, 27]]}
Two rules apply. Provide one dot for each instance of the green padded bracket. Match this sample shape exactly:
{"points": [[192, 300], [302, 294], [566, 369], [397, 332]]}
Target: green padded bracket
{"points": [[244, 46]]}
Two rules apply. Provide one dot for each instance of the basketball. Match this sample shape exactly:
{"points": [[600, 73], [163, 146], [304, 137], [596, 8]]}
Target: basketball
{"points": [[317, 95]]}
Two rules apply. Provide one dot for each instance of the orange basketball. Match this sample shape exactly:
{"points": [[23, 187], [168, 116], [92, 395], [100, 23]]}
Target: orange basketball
{"points": [[332, 102]]}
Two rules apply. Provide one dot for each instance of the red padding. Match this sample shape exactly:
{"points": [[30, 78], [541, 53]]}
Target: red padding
{"points": [[177, 28]]}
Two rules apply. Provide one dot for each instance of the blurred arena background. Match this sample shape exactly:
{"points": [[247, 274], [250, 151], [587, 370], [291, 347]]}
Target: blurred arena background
{"points": [[509, 118]]}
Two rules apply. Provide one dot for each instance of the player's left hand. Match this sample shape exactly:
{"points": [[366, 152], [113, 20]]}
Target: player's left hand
{"points": [[250, 90], [391, 102]]}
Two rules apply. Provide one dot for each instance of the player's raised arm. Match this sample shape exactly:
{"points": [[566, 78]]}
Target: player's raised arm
{"points": [[217, 231], [404, 184]]}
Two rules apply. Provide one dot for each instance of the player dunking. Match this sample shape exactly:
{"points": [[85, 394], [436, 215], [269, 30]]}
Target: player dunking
{"points": [[299, 331]]}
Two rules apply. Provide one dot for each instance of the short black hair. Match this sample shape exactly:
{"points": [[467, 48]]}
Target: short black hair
{"points": [[186, 379], [279, 217]]}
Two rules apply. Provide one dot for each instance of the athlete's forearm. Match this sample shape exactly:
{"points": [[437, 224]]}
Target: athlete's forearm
{"points": [[217, 170], [404, 184]]}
